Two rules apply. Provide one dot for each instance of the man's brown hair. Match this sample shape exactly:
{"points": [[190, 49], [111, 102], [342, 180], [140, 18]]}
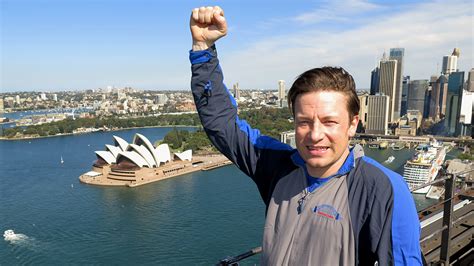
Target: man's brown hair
{"points": [[326, 79]]}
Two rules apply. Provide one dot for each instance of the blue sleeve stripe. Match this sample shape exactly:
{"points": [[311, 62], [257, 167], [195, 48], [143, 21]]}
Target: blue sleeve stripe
{"points": [[405, 227], [198, 57]]}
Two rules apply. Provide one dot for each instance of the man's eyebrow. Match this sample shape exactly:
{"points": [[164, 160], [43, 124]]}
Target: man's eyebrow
{"points": [[330, 117]]}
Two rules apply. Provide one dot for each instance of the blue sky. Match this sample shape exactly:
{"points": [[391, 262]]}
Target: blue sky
{"points": [[50, 45]]}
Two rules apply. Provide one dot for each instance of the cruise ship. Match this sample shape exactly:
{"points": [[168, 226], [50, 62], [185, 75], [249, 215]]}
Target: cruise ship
{"points": [[424, 166]]}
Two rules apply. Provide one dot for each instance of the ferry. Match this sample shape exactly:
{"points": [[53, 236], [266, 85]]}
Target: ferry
{"points": [[423, 167]]}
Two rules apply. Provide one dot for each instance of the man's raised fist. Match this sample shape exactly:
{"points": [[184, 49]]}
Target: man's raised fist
{"points": [[207, 26]]}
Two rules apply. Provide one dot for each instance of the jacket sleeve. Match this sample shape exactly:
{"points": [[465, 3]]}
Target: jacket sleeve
{"points": [[405, 225], [217, 109], [400, 226]]}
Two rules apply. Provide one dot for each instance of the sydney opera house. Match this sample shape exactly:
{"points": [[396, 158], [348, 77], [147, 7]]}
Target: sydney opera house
{"points": [[139, 162]]}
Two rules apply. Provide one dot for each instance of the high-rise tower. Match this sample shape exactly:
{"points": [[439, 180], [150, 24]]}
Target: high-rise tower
{"points": [[387, 83], [450, 62], [397, 54], [281, 90]]}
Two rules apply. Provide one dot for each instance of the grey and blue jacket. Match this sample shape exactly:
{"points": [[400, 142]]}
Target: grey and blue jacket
{"points": [[361, 215]]}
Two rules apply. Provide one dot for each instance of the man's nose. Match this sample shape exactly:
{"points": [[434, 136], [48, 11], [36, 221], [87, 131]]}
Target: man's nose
{"points": [[317, 132]]}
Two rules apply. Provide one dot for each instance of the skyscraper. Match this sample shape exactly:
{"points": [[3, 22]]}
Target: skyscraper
{"points": [[397, 54], [377, 114], [453, 102], [470, 81], [450, 62], [281, 90], [403, 106], [387, 83], [416, 95], [374, 81]]}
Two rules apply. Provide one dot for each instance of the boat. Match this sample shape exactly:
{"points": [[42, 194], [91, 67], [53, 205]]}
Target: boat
{"points": [[9, 234], [424, 166], [389, 159], [62, 161], [398, 146]]}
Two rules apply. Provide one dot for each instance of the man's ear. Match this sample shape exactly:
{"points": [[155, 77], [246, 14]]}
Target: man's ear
{"points": [[353, 125]]}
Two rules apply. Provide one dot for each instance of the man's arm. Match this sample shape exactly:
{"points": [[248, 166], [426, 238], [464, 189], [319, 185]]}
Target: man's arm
{"points": [[217, 108]]}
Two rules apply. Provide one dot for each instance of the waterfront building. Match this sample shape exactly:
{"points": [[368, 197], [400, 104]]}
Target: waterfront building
{"points": [[387, 83], [2, 107], [43, 96], [403, 104], [453, 102], [374, 81], [139, 162], [377, 114], [398, 55], [450, 62], [416, 95], [55, 97], [363, 116]]}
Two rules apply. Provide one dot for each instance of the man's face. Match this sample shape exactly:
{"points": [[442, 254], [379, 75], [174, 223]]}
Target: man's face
{"points": [[322, 130]]}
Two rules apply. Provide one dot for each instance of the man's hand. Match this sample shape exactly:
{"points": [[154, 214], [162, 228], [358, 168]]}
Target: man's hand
{"points": [[207, 26]]}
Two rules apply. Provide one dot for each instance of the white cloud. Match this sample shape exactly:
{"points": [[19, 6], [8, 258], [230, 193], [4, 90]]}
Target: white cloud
{"points": [[427, 31], [335, 11]]}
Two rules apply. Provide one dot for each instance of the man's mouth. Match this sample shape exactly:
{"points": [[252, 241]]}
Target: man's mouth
{"points": [[317, 148]]}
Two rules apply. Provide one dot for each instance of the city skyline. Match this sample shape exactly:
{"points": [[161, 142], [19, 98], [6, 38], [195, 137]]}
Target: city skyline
{"points": [[69, 45]]}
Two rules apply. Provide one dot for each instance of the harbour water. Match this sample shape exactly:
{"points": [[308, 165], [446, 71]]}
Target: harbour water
{"points": [[197, 218]]}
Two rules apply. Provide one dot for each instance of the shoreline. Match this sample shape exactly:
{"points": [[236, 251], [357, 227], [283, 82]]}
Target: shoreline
{"points": [[81, 133]]}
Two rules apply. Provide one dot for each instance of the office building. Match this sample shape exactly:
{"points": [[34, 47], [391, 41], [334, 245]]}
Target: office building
{"points": [[397, 54], [281, 90], [450, 62], [387, 83], [453, 102], [439, 93], [465, 117], [470, 81], [377, 114], [403, 104], [416, 95], [363, 99], [374, 81]]}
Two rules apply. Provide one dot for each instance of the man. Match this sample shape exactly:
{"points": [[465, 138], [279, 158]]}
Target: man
{"points": [[326, 204]]}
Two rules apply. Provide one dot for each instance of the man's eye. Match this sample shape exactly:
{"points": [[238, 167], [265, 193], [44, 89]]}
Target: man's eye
{"points": [[330, 123]]}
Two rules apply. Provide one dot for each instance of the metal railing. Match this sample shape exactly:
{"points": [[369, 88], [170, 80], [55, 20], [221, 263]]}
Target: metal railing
{"points": [[449, 183]]}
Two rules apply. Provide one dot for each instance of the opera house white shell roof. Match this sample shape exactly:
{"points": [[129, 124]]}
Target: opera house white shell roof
{"points": [[185, 155], [140, 152]]}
